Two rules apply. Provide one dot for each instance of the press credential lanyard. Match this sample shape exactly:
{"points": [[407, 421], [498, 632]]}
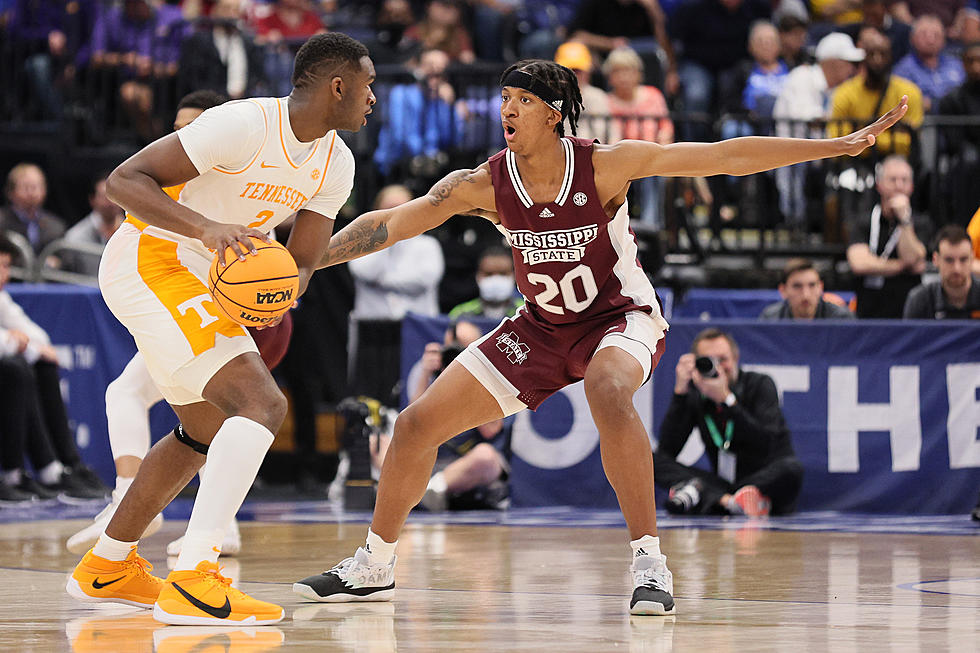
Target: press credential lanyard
{"points": [[716, 435]]}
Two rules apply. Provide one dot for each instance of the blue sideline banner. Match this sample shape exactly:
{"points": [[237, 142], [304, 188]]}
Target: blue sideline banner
{"points": [[884, 415], [93, 348]]}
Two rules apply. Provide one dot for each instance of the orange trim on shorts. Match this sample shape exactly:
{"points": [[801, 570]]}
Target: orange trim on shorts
{"points": [[187, 299], [265, 121], [282, 140]]}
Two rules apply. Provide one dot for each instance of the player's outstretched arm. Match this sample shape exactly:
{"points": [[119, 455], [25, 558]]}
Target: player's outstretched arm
{"points": [[462, 191], [740, 156]]}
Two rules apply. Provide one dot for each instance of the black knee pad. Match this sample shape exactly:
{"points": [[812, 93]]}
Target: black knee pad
{"points": [[183, 438]]}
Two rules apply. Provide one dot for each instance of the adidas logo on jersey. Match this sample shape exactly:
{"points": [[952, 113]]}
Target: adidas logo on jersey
{"points": [[546, 213]]}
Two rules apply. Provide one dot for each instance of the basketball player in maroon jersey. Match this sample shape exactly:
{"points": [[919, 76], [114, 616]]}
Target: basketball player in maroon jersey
{"points": [[590, 312]]}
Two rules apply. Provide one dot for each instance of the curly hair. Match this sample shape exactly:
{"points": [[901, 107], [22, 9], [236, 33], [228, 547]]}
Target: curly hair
{"points": [[333, 53], [562, 80]]}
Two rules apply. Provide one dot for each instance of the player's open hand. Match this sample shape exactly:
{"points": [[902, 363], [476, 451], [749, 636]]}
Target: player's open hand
{"points": [[857, 142], [218, 236]]}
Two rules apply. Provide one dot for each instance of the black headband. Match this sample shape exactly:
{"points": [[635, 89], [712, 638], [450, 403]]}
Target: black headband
{"points": [[520, 79]]}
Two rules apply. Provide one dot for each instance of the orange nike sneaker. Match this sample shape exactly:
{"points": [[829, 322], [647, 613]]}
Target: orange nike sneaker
{"points": [[97, 580], [203, 597]]}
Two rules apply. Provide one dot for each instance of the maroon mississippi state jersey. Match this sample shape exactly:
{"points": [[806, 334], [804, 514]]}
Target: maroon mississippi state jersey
{"points": [[571, 261]]}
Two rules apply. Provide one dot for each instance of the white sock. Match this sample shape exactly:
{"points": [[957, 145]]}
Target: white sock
{"points": [[647, 545], [438, 483], [233, 461], [379, 551], [50, 473], [12, 477], [111, 549]]}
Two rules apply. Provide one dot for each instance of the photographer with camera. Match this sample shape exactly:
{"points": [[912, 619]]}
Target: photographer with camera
{"points": [[754, 469]]}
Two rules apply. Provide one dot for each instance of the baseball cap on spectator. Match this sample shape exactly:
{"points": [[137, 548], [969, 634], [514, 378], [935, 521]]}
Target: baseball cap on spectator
{"points": [[838, 45], [574, 55]]}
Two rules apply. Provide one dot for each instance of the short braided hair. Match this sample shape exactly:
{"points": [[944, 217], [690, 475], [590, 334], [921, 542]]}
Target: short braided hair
{"points": [[331, 53], [562, 80]]}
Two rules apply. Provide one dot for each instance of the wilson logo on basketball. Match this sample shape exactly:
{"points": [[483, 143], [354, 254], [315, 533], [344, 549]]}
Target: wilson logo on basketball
{"points": [[245, 318], [273, 297]]}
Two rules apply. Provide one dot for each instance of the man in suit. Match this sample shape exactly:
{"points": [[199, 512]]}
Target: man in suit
{"points": [[24, 213]]}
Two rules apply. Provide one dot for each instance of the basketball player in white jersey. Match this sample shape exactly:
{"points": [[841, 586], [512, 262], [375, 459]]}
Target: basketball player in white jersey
{"points": [[246, 166], [590, 312]]}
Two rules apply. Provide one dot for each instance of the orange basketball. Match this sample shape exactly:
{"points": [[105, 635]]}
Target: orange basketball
{"points": [[260, 288]]}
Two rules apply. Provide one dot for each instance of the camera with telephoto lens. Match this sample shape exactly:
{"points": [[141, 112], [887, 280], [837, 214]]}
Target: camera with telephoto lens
{"points": [[706, 366]]}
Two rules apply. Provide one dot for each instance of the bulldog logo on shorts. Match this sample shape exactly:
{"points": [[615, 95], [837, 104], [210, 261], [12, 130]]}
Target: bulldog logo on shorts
{"points": [[516, 350]]}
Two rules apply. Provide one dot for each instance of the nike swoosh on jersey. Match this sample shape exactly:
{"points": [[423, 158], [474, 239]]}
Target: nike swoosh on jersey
{"points": [[268, 165], [97, 585], [220, 612]]}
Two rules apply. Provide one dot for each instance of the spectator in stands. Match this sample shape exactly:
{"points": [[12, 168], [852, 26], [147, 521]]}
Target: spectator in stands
{"points": [[886, 253], [421, 118], [442, 29], [754, 469], [803, 298], [498, 293], [792, 39], [956, 294], [94, 229], [122, 51], [27, 188], [952, 13], [221, 57], [712, 37], [935, 73], [757, 85], [876, 15], [394, 17], [595, 120], [280, 33], [34, 414], [405, 277], [803, 99], [545, 26], [44, 39], [874, 88], [638, 24], [962, 142], [640, 113]]}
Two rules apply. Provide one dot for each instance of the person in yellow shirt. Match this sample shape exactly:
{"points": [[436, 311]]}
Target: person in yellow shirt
{"points": [[862, 96]]}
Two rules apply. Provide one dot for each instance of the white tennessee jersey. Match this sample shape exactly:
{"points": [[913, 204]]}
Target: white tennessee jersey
{"points": [[254, 172]]}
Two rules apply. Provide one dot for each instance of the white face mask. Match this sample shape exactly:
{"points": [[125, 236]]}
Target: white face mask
{"points": [[496, 288]]}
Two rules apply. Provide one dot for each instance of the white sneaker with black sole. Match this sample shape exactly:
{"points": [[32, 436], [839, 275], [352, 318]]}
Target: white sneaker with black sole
{"points": [[653, 586], [354, 579]]}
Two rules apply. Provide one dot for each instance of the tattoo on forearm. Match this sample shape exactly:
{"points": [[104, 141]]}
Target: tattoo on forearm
{"points": [[353, 241], [441, 191]]}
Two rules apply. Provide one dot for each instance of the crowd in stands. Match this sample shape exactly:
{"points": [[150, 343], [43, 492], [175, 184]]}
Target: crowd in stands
{"points": [[656, 70]]}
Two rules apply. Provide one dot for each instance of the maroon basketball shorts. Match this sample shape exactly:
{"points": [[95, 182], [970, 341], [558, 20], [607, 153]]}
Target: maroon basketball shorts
{"points": [[524, 360]]}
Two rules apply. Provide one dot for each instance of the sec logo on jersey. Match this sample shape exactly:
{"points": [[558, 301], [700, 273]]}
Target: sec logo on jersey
{"points": [[580, 199]]}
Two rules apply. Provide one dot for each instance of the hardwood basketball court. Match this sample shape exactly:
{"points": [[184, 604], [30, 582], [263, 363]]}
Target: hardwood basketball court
{"points": [[538, 580]]}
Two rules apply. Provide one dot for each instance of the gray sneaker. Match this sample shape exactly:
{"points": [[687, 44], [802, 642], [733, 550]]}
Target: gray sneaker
{"points": [[653, 586], [354, 579]]}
